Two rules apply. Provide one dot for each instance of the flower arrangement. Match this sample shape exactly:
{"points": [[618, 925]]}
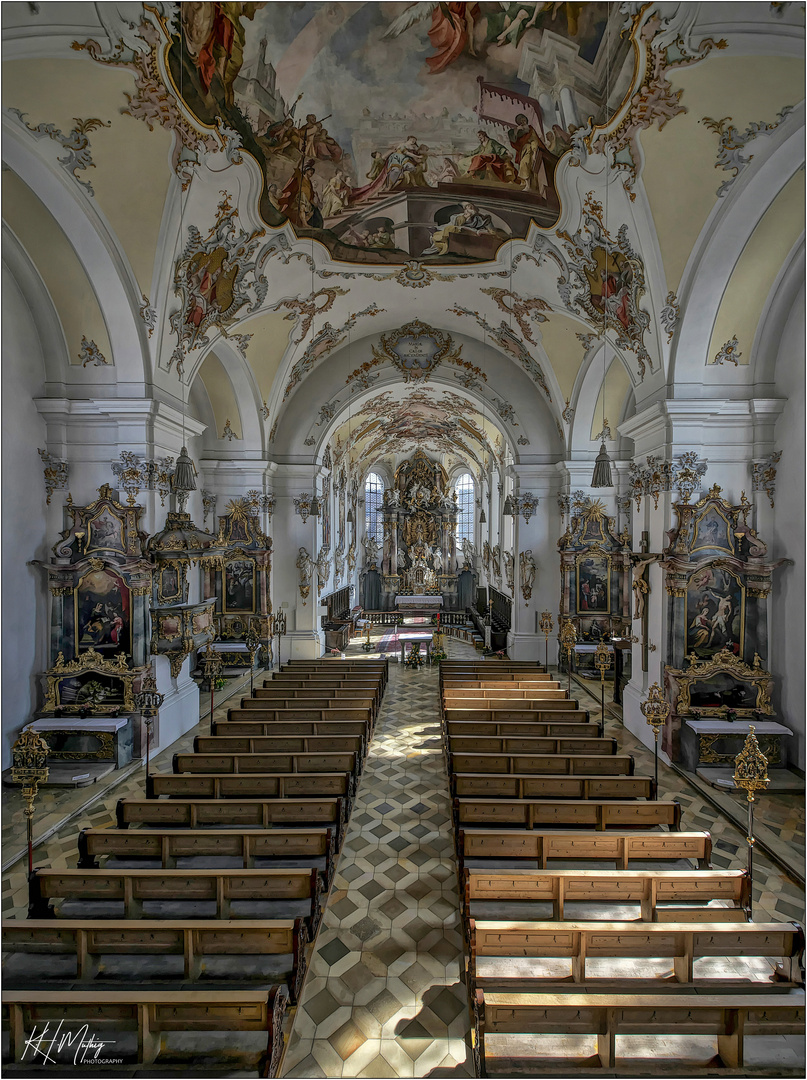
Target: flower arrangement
{"points": [[439, 654], [219, 683], [413, 657]]}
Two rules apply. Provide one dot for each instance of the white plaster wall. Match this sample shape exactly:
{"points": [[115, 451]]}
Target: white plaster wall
{"points": [[787, 619], [25, 529]]}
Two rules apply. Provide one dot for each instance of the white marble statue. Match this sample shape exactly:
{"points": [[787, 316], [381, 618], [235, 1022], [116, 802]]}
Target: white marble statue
{"points": [[527, 570], [305, 564], [468, 551], [437, 560], [509, 568], [323, 568], [371, 549]]}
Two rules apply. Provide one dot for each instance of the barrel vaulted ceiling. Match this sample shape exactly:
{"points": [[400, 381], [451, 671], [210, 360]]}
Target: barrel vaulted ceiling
{"points": [[371, 226]]}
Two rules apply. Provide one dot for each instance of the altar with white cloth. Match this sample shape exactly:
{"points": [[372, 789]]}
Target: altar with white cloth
{"points": [[423, 602]]}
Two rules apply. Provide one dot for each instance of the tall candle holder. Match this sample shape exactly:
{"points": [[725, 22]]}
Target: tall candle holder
{"points": [[211, 666], [148, 701], [751, 774], [602, 661], [29, 768], [253, 644], [547, 627], [568, 640], [656, 710]]}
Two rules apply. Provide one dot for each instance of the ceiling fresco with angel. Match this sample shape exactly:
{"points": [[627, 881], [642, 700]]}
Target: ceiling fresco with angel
{"points": [[400, 130]]}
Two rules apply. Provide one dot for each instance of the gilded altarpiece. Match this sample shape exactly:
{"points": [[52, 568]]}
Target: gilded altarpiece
{"points": [[177, 626], [717, 579], [419, 513], [239, 578], [595, 575], [100, 581]]}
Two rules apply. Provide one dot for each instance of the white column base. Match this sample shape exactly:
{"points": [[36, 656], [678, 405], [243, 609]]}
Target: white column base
{"points": [[304, 645], [526, 647], [180, 709]]}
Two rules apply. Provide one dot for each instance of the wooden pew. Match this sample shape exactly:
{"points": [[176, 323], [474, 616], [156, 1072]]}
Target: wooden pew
{"points": [[581, 942], [548, 701], [531, 744], [251, 728], [585, 813], [505, 693], [167, 846], [294, 888], [728, 1017], [282, 744], [541, 786], [646, 888], [545, 764], [565, 712], [251, 786], [314, 701], [222, 813], [548, 729], [303, 714], [507, 681], [329, 762], [87, 940], [476, 845], [150, 1013], [377, 669]]}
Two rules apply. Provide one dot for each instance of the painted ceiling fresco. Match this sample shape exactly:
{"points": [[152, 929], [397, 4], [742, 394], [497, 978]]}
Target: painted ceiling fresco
{"points": [[389, 424], [400, 130]]}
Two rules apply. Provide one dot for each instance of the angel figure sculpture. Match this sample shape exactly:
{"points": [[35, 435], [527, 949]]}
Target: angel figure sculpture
{"points": [[371, 549], [468, 551]]}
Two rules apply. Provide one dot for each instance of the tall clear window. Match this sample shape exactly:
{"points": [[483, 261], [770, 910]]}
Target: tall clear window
{"points": [[464, 487], [373, 498]]}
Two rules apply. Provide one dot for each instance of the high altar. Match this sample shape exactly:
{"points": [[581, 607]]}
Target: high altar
{"points": [[419, 553]]}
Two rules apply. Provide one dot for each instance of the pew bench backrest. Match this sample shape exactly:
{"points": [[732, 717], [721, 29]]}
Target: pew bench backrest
{"points": [[728, 1017], [248, 813], [478, 844], [531, 786], [151, 1013], [585, 813]]}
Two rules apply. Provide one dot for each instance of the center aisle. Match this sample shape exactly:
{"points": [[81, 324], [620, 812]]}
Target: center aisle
{"points": [[383, 995]]}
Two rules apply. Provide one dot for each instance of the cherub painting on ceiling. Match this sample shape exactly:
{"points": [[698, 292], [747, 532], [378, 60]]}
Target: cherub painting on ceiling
{"points": [[399, 130]]}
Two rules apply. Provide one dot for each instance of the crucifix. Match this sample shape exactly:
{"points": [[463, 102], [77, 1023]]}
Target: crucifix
{"points": [[641, 588]]}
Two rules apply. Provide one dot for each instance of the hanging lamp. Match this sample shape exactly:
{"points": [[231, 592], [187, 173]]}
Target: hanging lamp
{"points": [[183, 480], [602, 464]]}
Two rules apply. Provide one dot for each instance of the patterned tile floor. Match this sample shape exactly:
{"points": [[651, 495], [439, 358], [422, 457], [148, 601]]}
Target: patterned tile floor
{"points": [[384, 995]]}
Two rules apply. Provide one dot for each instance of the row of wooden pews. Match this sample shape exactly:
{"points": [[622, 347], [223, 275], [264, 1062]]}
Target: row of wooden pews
{"points": [[198, 912], [586, 910]]}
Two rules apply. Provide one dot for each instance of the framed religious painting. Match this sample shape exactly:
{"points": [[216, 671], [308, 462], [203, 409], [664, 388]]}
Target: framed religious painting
{"points": [[105, 532], [102, 613], [239, 586], [593, 585], [715, 616]]}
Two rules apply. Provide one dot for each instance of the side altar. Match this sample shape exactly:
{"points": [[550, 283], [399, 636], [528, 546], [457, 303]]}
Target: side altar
{"points": [[418, 556]]}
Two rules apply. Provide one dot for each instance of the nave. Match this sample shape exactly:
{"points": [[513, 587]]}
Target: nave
{"points": [[385, 991]]}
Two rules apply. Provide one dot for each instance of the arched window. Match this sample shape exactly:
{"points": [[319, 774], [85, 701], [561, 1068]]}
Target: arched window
{"points": [[464, 486], [373, 498]]}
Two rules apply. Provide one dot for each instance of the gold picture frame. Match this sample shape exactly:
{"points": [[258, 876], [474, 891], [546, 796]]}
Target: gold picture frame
{"points": [[722, 667]]}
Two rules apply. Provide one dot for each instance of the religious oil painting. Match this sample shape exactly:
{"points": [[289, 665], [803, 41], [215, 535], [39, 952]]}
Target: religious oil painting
{"points": [[170, 585], [715, 612], [337, 104], [594, 585], [239, 586], [102, 613], [105, 533], [712, 531]]}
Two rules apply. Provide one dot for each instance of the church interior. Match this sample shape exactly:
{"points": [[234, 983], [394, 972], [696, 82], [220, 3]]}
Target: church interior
{"points": [[403, 527]]}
